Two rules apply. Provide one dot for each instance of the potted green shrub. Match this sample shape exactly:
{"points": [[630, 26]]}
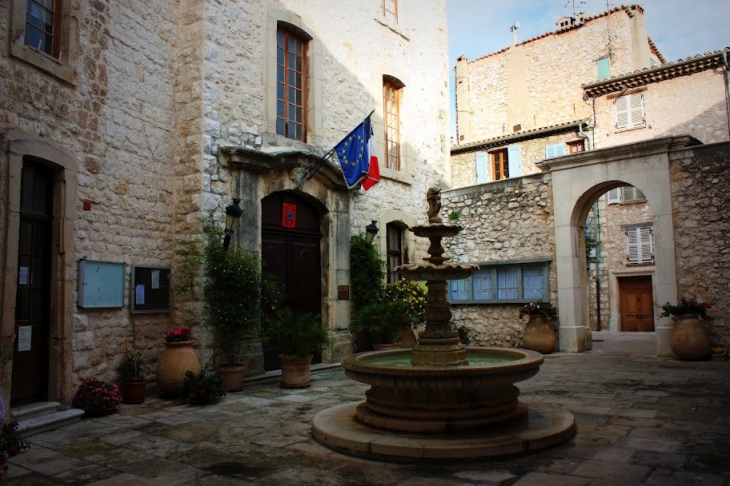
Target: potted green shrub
{"points": [[299, 336], [539, 334], [202, 388], [689, 338], [233, 291], [130, 373], [378, 324]]}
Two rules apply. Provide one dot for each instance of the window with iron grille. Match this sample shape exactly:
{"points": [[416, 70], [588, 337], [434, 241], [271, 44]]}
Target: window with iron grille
{"points": [[291, 74]]}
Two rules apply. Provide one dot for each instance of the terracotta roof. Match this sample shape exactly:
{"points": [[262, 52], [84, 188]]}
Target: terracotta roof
{"points": [[629, 9], [682, 67], [517, 136]]}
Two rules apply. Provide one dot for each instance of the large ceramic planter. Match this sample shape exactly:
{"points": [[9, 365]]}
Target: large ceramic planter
{"points": [[295, 372], [689, 338], [232, 376], [539, 335], [133, 391], [175, 361]]}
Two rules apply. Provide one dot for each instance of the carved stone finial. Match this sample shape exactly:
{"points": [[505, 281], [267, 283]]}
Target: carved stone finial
{"points": [[433, 196]]}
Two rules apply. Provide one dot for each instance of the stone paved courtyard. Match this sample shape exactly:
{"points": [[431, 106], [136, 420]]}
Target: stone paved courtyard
{"points": [[640, 419]]}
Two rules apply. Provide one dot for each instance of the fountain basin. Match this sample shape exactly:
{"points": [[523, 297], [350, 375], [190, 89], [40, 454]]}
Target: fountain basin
{"points": [[436, 400]]}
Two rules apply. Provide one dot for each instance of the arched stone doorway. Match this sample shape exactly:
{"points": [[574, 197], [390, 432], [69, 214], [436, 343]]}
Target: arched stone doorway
{"points": [[577, 181]]}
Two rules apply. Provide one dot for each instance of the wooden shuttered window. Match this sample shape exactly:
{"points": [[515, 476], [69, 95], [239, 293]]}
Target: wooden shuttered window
{"points": [[639, 245], [482, 168], [604, 68], [555, 150], [629, 111]]}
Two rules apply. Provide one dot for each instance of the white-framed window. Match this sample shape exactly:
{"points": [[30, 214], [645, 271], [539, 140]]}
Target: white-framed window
{"points": [[629, 111], [624, 195], [554, 150], [503, 283], [639, 246]]}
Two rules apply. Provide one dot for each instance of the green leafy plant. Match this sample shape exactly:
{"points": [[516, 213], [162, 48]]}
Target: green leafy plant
{"points": [[297, 334], [412, 293], [454, 215], [367, 271], [463, 332], [97, 398], [131, 368], [542, 308], [687, 305], [380, 322], [11, 443], [202, 388]]}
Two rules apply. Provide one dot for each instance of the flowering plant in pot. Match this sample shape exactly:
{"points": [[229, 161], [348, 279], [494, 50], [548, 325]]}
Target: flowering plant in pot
{"points": [[178, 335], [539, 334], [177, 358], [689, 338], [132, 377], [97, 398], [202, 388], [11, 443], [687, 305], [539, 308]]}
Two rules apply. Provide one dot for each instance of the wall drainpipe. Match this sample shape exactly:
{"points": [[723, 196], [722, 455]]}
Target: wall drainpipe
{"points": [[583, 134], [727, 88]]}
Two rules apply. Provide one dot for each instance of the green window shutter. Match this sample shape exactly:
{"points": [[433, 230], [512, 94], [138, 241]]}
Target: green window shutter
{"points": [[482, 171], [604, 68], [514, 161]]}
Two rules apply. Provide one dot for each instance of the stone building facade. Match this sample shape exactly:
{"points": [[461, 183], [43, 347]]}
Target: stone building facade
{"points": [[140, 117]]}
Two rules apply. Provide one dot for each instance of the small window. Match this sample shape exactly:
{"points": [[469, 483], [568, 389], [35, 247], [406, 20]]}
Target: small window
{"points": [[502, 283], [604, 68], [390, 9], [500, 169], [291, 54], [555, 150], [391, 108], [624, 195], [394, 243], [42, 26], [506, 163], [577, 146], [639, 247], [629, 111]]}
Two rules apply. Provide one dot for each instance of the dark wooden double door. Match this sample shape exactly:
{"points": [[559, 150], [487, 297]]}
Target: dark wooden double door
{"points": [[32, 302], [290, 244], [637, 304]]}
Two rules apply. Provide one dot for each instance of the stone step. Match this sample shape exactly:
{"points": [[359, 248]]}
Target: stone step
{"points": [[25, 412], [49, 421]]}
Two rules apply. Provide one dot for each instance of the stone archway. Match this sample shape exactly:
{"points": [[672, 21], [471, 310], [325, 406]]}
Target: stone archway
{"points": [[577, 181]]}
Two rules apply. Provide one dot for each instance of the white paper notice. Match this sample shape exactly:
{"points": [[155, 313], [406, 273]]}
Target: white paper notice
{"points": [[23, 274], [155, 279], [139, 295], [24, 335]]}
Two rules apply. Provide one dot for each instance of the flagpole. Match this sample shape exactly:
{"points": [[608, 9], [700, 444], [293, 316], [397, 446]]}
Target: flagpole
{"points": [[322, 160]]}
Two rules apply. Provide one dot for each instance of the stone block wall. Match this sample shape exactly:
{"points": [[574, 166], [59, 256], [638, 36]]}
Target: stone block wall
{"points": [[504, 220], [700, 197]]}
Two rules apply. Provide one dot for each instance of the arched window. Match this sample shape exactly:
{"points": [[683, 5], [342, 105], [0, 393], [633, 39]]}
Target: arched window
{"points": [[392, 90], [291, 77]]}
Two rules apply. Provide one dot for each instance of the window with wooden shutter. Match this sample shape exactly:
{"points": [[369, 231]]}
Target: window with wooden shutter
{"points": [[629, 111], [514, 161], [639, 245], [613, 196], [482, 167], [555, 150], [604, 68]]}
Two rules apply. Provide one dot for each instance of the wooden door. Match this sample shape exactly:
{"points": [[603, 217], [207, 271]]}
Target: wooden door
{"points": [[636, 304], [32, 302], [291, 253]]}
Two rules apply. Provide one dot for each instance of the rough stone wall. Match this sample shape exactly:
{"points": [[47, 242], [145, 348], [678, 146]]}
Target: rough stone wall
{"points": [[700, 196], [689, 105], [118, 123], [504, 220], [555, 67]]}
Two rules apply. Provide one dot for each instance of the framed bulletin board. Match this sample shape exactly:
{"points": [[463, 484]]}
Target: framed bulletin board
{"points": [[101, 284], [150, 290]]}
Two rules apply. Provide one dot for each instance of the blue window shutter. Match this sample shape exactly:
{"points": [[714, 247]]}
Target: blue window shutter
{"points": [[514, 161], [555, 150], [481, 162], [604, 68]]}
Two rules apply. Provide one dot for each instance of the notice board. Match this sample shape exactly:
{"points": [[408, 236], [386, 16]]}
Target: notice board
{"points": [[101, 284], [150, 290]]}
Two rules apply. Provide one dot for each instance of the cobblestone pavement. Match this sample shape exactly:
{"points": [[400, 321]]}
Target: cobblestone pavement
{"points": [[640, 420]]}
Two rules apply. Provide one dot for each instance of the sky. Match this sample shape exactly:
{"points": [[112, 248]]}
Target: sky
{"points": [[679, 28]]}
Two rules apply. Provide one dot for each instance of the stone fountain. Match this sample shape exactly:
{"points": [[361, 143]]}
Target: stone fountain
{"points": [[440, 400]]}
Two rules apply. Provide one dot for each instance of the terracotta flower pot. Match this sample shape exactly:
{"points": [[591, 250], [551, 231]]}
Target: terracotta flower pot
{"points": [[176, 359], [539, 335], [689, 338], [295, 372], [133, 391], [232, 376]]}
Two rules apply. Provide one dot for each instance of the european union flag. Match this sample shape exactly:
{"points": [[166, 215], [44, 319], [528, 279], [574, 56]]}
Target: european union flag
{"points": [[354, 155]]}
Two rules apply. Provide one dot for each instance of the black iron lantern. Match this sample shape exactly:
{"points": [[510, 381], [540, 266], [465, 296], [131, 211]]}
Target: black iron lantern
{"points": [[370, 231], [233, 214]]}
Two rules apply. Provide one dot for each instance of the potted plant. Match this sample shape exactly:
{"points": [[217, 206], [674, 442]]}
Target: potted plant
{"points": [[132, 377], [11, 443], [234, 288], [202, 388], [177, 358], [539, 334], [97, 398], [378, 325], [689, 339], [299, 336]]}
